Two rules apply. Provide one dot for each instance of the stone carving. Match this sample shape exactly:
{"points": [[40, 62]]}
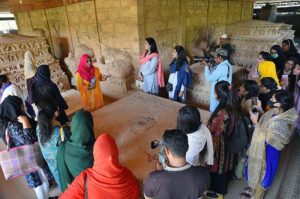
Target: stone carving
{"points": [[73, 58], [250, 37], [116, 63], [12, 50], [199, 93]]}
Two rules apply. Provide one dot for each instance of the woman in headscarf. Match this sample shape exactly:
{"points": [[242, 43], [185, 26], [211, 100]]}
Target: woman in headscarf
{"points": [[29, 73], [180, 75], [289, 49], [50, 134], [272, 133], [266, 68], [44, 88], [8, 88], [278, 58], [21, 132], [29, 65], [88, 79], [76, 155], [107, 178], [151, 68]]}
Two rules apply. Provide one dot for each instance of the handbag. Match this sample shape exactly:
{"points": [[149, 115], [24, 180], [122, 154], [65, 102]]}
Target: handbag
{"points": [[21, 160], [169, 87]]}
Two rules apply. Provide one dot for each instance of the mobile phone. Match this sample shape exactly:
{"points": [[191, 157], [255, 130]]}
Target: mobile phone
{"points": [[253, 104], [254, 101]]}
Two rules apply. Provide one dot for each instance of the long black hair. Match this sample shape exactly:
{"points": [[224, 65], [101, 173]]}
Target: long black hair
{"points": [[152, 44], [228, 99], [188, 119], [3, 79], [181, 57], [270, 84], [47, 109], [290, 43], [285, 99], [252, 87]]}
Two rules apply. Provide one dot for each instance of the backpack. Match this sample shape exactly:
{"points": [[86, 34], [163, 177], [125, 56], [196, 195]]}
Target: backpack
{"points": [[239, 134]]}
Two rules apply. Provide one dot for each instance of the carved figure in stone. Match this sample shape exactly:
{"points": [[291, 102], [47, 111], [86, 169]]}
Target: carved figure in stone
{"points": [[73, 58], [116, 63], [29, 65]]}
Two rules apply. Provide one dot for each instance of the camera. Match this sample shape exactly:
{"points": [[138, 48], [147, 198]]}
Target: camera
{"points": [[162, 157], [208, 59]]}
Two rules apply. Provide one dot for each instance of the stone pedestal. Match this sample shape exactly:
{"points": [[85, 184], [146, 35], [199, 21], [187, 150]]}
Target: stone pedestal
{"points": [[200, 92], [141, 118], [115, 87]]}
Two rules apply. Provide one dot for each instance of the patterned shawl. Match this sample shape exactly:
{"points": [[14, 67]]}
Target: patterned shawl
{"points": [[276, 131]]}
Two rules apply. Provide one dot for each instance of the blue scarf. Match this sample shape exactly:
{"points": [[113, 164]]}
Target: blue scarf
{"points": [[184, 77]]}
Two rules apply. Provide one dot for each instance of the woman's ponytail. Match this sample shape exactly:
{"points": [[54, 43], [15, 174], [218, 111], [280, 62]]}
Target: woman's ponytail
{"points": [[47, 109]]}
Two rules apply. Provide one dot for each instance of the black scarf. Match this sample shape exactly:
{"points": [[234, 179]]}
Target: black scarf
{"points": [[10, 110], [42, 76]]}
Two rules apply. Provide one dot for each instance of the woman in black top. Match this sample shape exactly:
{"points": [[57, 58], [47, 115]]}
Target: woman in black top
{"points": [[21, 131], [279, 59], [43, 87]]}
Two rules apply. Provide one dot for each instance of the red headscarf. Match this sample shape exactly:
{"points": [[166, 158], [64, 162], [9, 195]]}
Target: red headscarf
{"points": [[107, 178], [85, 72]]}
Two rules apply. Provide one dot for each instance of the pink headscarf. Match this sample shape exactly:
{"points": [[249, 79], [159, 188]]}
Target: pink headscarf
{"points": [[160, 73], [86, 72]]}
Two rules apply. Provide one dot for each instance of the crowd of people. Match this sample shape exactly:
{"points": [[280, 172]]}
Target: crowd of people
{"points": [[248, 128]]}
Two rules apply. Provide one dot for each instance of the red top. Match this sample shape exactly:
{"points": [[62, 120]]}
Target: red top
{"points": [[107, 178]]}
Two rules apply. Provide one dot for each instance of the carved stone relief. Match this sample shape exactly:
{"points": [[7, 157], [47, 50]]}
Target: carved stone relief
{"points": [[12, 50]]}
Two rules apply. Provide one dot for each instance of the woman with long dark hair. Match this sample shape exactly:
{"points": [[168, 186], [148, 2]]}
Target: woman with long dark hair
{"points": [[43, 87], [248, 92], [279, 59], [221, 124], [268, 87], [180, 75], [199, 137], [273, 131], [50, 133], [21, 132], [151, 71], [289, 49]]}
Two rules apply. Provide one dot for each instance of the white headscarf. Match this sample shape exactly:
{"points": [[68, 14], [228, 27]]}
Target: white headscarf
{"points": [[29, 65]]}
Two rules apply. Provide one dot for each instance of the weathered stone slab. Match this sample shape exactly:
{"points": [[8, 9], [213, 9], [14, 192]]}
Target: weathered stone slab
{"points": [[134, 121]]}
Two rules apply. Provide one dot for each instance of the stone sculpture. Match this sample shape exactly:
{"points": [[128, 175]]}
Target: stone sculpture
{"points": [[12, 50], [117, 64]]}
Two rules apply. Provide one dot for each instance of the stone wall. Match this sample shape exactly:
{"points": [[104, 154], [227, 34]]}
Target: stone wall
{"points": [[124, 24], [97, 24], [174, 22]]}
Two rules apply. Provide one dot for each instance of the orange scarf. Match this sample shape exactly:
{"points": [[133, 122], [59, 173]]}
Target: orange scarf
{"points": [[107, 178]]}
